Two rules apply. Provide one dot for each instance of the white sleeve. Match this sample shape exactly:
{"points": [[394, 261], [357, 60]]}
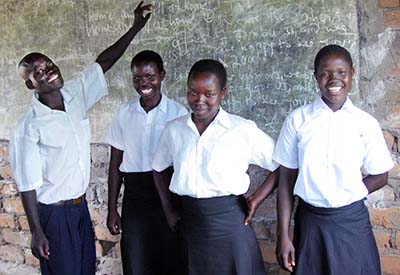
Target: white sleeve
{"points": [[262, 148], [377, 159], [115, 136], [286, 151], [25, 161], [162, 157]]}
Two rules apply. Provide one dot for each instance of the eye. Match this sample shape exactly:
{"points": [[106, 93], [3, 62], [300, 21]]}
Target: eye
{"points": [[136, 78], [192, 93], [343, 73], [150, 77], [323, 74]]}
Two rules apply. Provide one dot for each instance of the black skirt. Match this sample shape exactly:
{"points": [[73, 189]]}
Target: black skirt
{"points": [[217, 241], [333, 241], [148, 245]]}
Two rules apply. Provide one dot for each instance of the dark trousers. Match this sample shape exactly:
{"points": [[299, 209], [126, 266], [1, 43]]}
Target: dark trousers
{"points": [[70, 234], [148, 245]]}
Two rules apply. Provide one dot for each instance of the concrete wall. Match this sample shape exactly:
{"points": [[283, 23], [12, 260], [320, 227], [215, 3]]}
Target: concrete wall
{"points": [[379, 81]]}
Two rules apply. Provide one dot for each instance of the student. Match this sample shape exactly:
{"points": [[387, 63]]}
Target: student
{"points": [[211, 151], [49, 154], [322, 148], [148, 245]]}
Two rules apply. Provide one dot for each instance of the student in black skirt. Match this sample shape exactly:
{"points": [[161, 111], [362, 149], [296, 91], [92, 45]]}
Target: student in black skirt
{"points": [[211, 151], [322, 148], [148, 245]]}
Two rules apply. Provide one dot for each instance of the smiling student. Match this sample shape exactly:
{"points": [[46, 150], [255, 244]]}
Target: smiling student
{"points": [[211, 151], [148, 245], [50, 156], [322, 148]]}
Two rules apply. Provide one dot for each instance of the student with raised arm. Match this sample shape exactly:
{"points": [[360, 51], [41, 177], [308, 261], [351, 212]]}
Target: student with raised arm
{"points": [[50, 155]]}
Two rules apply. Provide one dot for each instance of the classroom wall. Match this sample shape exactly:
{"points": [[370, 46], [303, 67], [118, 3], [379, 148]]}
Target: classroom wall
{"points": [[268, 47]]}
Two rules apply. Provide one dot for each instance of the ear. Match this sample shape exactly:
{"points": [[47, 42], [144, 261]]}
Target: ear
{"points": [[162, 75], [224, 92], [29, 84]]}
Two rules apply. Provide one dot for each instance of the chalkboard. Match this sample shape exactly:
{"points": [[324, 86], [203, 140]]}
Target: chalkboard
{"points": [[268, 48]]}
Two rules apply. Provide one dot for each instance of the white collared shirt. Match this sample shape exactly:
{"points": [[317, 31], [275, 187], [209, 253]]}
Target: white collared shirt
{"points": [[215, 163], [50, 149], [329, 149], [137, 133]]}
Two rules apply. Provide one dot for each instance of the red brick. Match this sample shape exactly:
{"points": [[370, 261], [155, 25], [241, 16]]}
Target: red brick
{"points": [[389, 138], [30, 259], [392, 19], [267, 251], [390, 264], [13, 205], [23, 222], [395, 72], [11, 253], [17, 238], [6, 172], [395, 171], [382, 239], [283, 272], [386, 217], [8, 188], [102, 233], [4, 152], [388, 3], [7, 220], [397, 241]]}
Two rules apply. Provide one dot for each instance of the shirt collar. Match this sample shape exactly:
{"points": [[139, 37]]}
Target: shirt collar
{"points": [[319, 105], [162, 105], [40, 109], [222, 119]]}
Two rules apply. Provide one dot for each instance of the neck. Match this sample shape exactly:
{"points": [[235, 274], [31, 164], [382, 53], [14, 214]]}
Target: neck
{"points": [[53, 100], [150, 103], [202, 124]]}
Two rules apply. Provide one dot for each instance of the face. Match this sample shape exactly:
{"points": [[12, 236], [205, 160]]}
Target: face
{"points": [[205, 95], [334, 75], [44, 76], [147, 80]]}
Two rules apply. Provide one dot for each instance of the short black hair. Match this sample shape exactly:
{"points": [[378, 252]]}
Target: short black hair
{"points": [[27, 61], [210, 66], [331, 49], [146, 57]]}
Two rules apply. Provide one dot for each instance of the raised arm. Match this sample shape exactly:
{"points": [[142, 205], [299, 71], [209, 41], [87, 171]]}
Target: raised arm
{"points": [[162, 180], [285, 248], [266, 188], [39, 243], [110, 55], [114, 187]]}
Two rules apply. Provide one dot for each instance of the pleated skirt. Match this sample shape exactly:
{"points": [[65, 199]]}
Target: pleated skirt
{"points": [[217, 241], [335, 241], [148, 245]]}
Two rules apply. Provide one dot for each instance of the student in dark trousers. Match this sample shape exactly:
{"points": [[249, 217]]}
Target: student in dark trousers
{"points": [[211, 151], [322, 148], [148, 245], [50, 156]]}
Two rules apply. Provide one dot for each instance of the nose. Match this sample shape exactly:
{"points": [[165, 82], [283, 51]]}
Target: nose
{"points": [[200, 98]]}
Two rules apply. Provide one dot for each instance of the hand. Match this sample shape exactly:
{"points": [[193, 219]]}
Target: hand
{"points": [[252, 207], [173, 219], [114, 222], [140, 18], [40, 246], [285, 254]]}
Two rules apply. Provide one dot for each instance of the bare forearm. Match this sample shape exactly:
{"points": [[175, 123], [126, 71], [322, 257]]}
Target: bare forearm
{"points": [[287, 180], [114, 178], [162, 181], [375, 182], [30, 204], [266, 188]]}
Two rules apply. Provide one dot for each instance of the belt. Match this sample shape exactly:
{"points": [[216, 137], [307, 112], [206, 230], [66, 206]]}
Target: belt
{"points": [[78, 200]]}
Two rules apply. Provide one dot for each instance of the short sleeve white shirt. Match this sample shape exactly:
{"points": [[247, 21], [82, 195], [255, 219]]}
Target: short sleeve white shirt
{"points": [[329, 149], [137, 133], [215, 163], [50, 149]]}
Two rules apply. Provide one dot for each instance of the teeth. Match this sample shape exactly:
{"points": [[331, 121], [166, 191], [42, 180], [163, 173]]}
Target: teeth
{"points": [[53, 77], [334, 89], [147, 91]]}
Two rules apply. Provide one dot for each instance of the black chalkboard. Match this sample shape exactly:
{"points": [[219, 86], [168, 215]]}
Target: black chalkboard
{"points": [[268, 48]]}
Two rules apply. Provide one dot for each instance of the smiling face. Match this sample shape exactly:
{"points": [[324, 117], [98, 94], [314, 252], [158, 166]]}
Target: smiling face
{"points": [[147, 79], [42, 75], [334, 75], [204, 96]]}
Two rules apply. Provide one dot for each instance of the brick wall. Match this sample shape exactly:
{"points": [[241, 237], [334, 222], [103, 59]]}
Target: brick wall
{"points": [[384, 205]]}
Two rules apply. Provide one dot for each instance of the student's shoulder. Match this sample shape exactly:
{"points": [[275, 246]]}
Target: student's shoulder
{"points": [[25, 125], [175, 108], [363, 118]]}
